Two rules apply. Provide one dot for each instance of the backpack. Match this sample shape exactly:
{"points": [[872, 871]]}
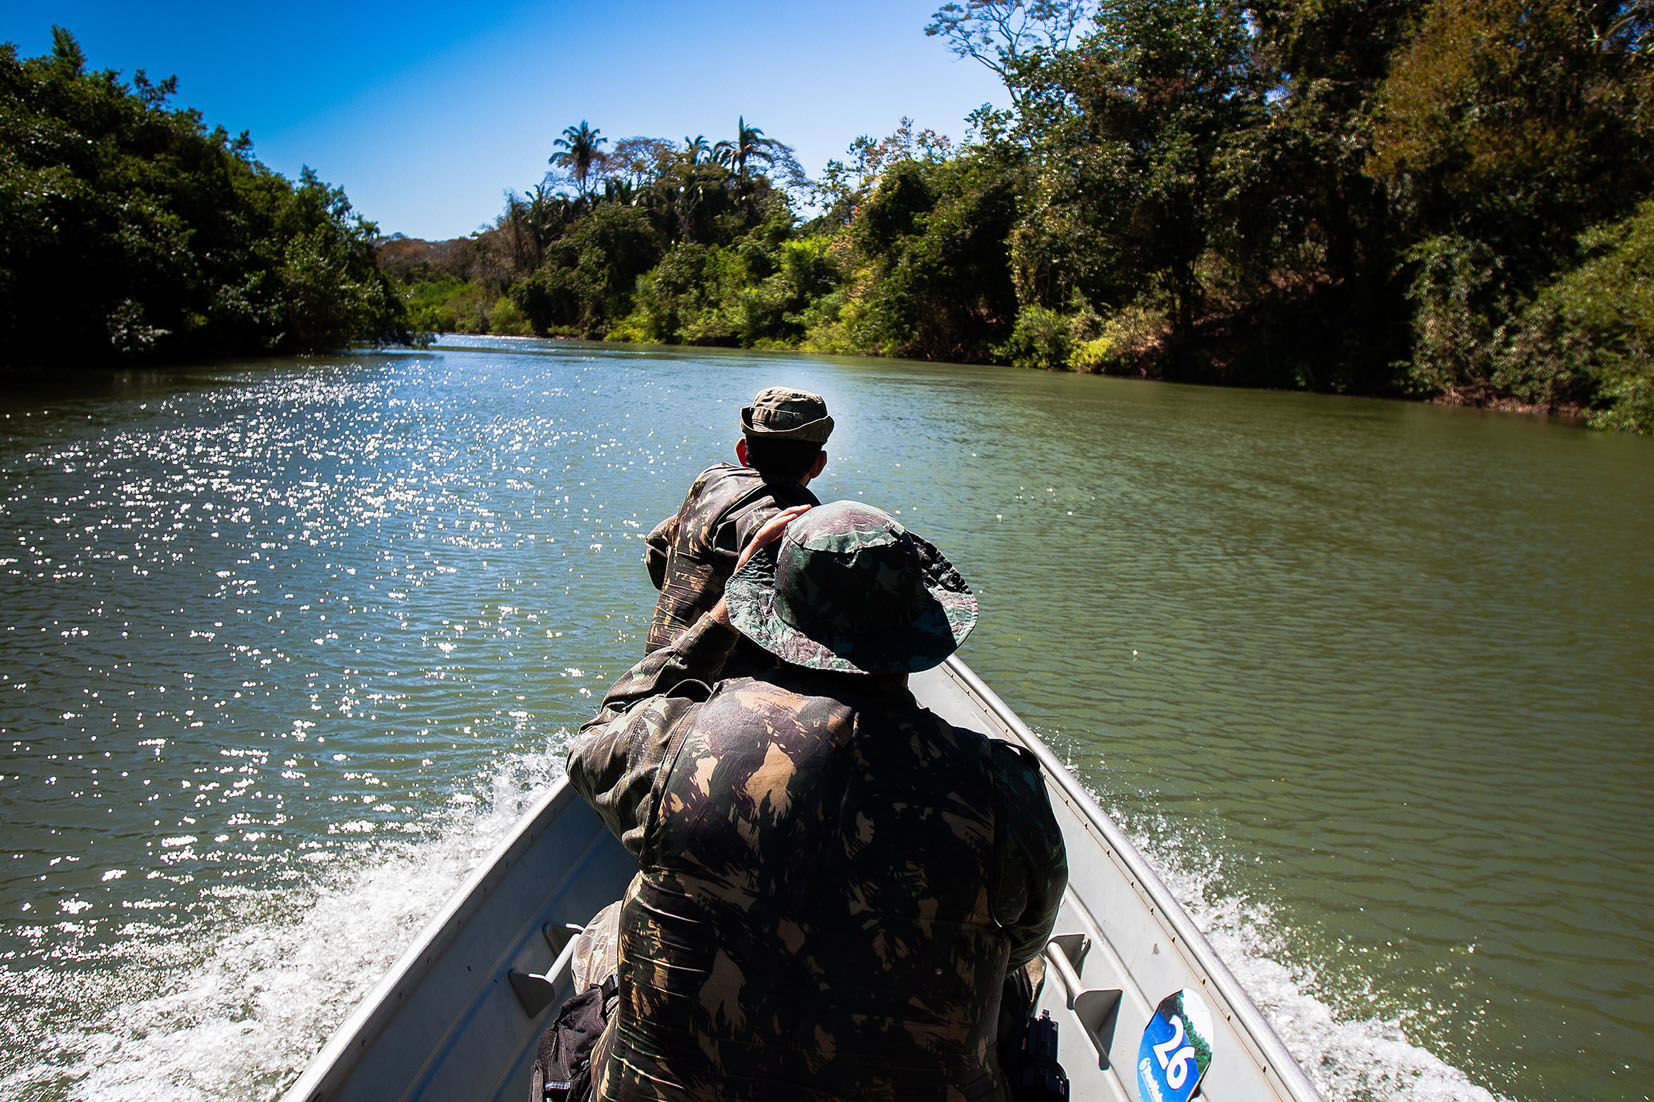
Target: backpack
{"points": [[563, 1056]]}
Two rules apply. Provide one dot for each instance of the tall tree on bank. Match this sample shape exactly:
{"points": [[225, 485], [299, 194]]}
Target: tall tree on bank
{"points": [[1519, 122], [1007, 36], [579, 150], [1305, 232], [1126, 112], [749, 147], [1194, 192]]}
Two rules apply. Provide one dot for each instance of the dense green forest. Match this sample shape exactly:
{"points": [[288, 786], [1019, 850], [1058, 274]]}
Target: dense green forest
{"points": [[1449, 199], [1446, 199], [129, 233]]}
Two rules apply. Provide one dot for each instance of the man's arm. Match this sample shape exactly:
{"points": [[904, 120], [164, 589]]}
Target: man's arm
{"points": [[613, 761], [1034, 869], [656, 544]]}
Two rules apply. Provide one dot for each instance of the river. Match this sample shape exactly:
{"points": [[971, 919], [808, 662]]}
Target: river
{"points": [[286, 645]]}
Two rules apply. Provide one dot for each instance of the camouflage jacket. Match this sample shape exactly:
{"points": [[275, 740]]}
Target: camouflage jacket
{"points": [[692, 553], [832, 884]]}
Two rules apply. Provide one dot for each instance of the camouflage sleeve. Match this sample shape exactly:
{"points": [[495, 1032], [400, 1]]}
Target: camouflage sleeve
{"points": [[655, 546], [614, 760], [1034, 871], [731, 535]]}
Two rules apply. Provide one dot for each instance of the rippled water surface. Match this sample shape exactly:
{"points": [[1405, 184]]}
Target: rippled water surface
{"points": [[286, 645]]}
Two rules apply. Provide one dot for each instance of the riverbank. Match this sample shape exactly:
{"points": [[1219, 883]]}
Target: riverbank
{"points": [[33, 379], [1566, 411], [1236, 228]]}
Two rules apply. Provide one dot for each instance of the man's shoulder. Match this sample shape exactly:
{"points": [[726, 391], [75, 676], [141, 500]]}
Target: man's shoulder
{"points": [[740, 498], [724, 471], [713, 493], [1016, 765], [1015, 769], [1021, 794], [722, 483]]}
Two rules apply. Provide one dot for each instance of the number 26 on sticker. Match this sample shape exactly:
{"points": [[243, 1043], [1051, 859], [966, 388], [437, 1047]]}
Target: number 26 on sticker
{"points": [[1175, 1056], [1176, 1049]]}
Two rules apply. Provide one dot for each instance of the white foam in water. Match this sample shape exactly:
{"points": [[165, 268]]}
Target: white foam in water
{"points": [[267, 996], [250, 1016], [1349, 1061]]}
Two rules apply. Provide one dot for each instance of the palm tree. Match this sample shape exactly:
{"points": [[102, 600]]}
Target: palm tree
{"points": [[694, 147], [749, 145], [516, 219], [577, 151], [543, 220]]}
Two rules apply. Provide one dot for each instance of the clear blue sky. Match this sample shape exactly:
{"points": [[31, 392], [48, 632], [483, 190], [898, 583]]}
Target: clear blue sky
{"points": [[425, 113]]}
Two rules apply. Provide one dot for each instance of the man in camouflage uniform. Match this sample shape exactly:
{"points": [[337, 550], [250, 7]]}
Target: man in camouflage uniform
{"points": [[691, 554], [833, 881]]}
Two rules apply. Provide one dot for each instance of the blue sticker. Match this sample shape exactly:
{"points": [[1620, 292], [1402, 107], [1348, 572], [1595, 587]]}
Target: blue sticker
{"points": [[1176, 1049]]}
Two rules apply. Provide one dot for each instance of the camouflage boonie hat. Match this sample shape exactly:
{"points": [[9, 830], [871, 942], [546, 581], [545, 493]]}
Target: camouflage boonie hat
{"points": [[848, 588], [782, 413]]}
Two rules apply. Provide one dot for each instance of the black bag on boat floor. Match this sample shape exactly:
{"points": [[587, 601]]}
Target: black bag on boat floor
{"points": [[1028, 1045], [563, 1056], [1039, 1077]]}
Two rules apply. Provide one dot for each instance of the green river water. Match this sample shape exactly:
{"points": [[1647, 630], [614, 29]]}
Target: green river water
{"points": [[286, 645]]}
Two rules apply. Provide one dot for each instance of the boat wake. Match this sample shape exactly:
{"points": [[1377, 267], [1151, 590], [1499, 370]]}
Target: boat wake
{"points": [[1349, 1061], [249, 1007]]}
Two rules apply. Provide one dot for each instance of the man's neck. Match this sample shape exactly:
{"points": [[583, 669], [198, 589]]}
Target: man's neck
{"points": [[860, 684]]}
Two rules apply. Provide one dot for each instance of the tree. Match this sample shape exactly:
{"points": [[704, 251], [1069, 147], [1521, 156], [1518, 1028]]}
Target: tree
{"points": [[1198, 161], [636, 160], [578, 151], [1008, 35], [1143, 106], [749, 146], [332, 287], [1304, 233], [1506, 129], [936, 282], [845, 186], [589, 275], [1519, 123], [133, 233], [1588, 338], [530, 223], [696, 199]]}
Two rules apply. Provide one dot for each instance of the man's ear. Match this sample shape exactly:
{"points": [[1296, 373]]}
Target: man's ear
{"points": [[741, 451], [819, 465]]}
